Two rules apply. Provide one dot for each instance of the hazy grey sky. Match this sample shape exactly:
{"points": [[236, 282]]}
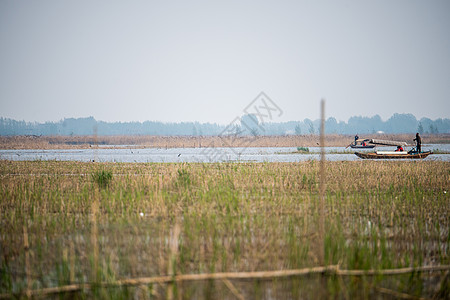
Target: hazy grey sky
{"points": [[206, 60]]}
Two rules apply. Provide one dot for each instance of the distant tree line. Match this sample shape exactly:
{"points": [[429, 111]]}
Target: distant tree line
{"points": [[248, 125]]}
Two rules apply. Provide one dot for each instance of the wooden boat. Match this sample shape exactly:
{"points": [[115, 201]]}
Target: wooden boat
{"points": [[411, 154], [355, 145], [362, 147], [393, 155]]}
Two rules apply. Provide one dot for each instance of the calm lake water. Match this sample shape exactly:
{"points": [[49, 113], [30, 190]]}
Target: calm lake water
{"points": [[264, 154]]}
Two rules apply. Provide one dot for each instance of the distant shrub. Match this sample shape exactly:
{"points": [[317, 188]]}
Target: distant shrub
{"points": [[303, 149], [102, 177]]}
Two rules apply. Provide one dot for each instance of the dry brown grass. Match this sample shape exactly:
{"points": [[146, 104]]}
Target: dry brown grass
{"points": [[70, 142], [233, 217]]}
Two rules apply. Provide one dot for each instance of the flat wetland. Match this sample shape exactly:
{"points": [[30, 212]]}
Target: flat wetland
{"points": [[152, 141], [94, 225]]}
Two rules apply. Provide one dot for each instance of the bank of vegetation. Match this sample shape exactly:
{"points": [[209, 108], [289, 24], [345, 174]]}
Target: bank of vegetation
{"points": [[118, 230], [149, 141]]}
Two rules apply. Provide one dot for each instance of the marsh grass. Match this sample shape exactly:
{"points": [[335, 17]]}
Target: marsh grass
{"points": [[102, 177], [303, 149], [152, 141], [231, 217]]}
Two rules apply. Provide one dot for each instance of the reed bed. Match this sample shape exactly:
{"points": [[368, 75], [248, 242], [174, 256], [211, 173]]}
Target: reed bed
{"points": [[94, 224], [148, 141]]}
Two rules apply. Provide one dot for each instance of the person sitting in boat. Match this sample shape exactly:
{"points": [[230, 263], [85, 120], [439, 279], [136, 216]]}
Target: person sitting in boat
{"points": [[364, 143], [399, 148]]}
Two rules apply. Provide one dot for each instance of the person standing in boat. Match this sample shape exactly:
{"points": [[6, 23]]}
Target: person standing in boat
{"points": [[356, 138], [418, 140]]}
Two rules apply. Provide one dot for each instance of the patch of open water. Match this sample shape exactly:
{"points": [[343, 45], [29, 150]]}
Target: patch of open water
{"points": [[172, 155]]}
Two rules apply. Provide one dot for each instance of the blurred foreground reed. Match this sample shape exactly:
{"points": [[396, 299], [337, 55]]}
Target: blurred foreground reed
{"points": [[91, 224]]}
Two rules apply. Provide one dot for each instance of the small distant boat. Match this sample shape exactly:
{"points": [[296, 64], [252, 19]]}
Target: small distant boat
{"points": [[393, 155], [363, 145], [367, 146]]}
